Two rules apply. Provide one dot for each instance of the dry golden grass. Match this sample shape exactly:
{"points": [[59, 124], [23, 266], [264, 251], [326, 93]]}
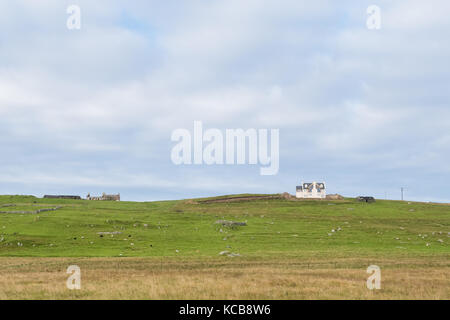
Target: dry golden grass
{"points": [[233, 278]]}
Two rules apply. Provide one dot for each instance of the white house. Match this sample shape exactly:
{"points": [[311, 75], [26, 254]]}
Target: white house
{"points": [[311, 190]]}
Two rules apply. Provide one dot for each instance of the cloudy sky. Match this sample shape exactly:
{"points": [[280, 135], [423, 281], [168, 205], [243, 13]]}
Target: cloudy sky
{"points": [[92, 110]]}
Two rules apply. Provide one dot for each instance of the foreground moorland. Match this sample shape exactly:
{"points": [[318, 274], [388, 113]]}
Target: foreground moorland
{"points": [[171, 249]]}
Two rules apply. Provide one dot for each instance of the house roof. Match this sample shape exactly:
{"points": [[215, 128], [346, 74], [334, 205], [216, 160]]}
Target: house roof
{"points": [[310, 185]]}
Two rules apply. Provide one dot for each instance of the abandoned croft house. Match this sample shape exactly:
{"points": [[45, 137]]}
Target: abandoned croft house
{"points": [[104, 197], [311, 190]]}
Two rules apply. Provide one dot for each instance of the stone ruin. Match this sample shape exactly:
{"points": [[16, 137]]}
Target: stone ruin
{"points": [[104, 197]]}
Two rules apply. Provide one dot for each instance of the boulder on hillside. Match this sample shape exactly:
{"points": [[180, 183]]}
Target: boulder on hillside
{"points": [[227, 223], [108, 233]]}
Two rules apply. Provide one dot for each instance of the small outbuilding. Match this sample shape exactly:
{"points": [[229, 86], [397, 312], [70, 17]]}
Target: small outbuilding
{"points": [[365, 199]]}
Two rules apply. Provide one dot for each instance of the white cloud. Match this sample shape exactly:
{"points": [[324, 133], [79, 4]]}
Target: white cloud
{"points": [[113, 92]]}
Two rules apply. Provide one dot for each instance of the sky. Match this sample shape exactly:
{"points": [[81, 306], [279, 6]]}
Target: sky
{"points": [[92, 110]]}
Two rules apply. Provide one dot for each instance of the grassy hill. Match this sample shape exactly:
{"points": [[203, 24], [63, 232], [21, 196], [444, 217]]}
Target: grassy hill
{"points": [[171, 249], [275, 227]]}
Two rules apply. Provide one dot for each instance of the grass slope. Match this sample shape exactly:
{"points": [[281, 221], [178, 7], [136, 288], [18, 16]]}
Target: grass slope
{"points": [[275, 228]]}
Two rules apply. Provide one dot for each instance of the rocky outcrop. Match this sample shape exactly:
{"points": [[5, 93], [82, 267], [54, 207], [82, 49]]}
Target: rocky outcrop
{"points": [[334, 197], [227, 223]]}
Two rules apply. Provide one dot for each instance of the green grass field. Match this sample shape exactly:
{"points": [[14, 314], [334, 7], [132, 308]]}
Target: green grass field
{"points": [[277, 231], [187, 228]]}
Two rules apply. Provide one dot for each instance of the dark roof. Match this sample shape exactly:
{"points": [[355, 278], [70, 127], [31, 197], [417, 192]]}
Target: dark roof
{"points": [[61, 197]]}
